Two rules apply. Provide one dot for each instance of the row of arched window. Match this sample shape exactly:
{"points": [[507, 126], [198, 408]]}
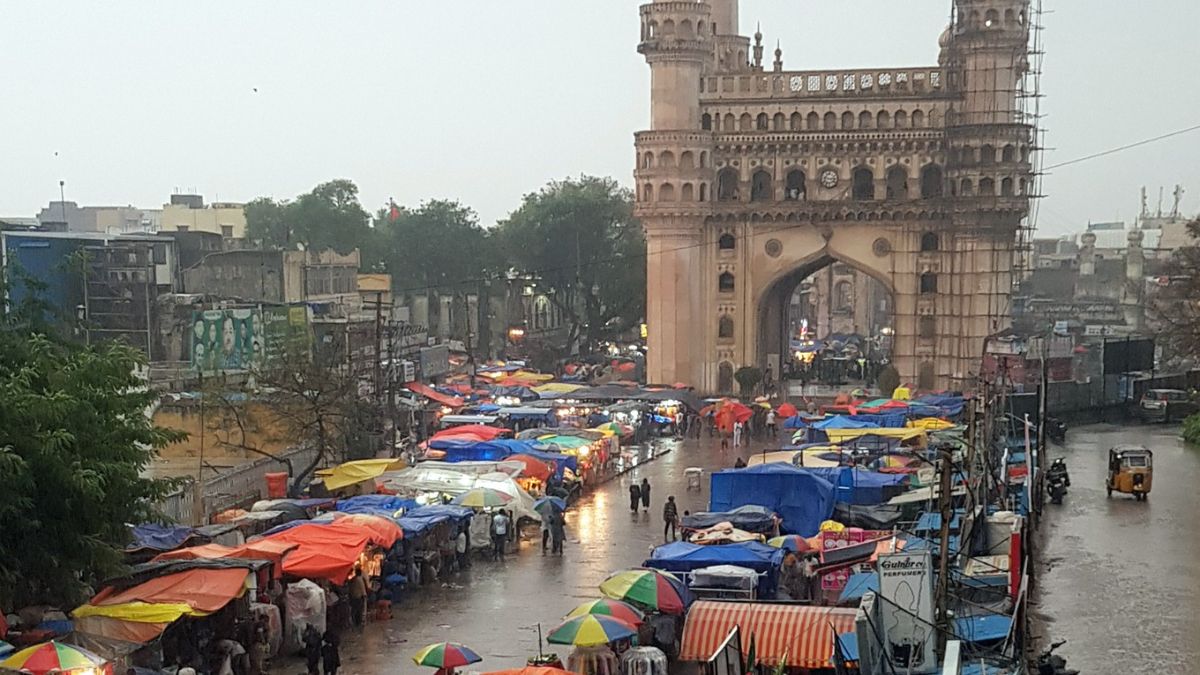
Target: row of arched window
{"points": [[988, 154], [682, 30], [666, 160], [830, 121], [988, 187], [862, 184], [991, 19]]}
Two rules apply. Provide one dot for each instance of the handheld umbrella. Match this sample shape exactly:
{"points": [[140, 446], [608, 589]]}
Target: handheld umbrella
{"points": [[609, 607], [445, 655], [656, 591], [482, 498], [52, 657], [590, 630]]}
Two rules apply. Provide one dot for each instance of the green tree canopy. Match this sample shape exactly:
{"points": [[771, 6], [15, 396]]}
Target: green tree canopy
{"points": [[437, 246], [1173, 308], [579, 238], [328, 216], [74, 441]]}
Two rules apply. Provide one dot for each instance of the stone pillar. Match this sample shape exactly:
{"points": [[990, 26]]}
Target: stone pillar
{"points": [[674, 315]]}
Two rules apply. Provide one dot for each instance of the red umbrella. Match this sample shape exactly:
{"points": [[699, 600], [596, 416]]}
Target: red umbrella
{"points": [[787, 410], [477, 431], [534, 467], [741, 412]]}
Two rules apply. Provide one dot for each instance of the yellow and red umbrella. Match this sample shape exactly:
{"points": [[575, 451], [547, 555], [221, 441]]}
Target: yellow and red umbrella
{"points": [[445, 655], [652, 589], [53, 656], [590, 630], [609, 607]]}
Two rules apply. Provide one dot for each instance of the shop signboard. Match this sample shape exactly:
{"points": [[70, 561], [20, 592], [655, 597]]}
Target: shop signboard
{"points": [[906, 609], [409, 337], [285, 331], [435, 361]]}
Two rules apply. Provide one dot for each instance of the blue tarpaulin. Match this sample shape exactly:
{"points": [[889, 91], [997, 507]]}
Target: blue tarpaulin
{"points": [[859, 584], [803, 500], [376, 505], [682, 557], [858, 487], [843, 422], [155, 537], [421, 519]]}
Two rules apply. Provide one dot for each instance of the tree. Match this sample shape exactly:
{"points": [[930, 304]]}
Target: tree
{"points": [[328, 216], [1173, 308], [578, 238], [74, 444], [437, 246], [888, 380], [748, 378]]}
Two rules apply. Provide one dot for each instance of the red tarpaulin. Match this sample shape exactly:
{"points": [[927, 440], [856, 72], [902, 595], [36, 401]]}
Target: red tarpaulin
{"points": [[433, 394], [534, 467], [263, 549], [206, 590], [477, 431], [798, 635], [329, 550]]}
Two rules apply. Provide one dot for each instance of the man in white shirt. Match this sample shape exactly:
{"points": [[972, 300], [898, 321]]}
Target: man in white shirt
{"points": [[500, 527], [771, 424]]}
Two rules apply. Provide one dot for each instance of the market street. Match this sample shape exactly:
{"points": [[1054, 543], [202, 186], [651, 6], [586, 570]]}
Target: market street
{"points": [[499, 605], [1120, 579]]}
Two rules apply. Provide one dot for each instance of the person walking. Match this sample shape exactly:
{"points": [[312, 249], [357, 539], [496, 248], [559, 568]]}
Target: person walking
{"points": [[460, 549], [645, 494], [312, 649], [499, 534], [331, 655], [771, 429], [557, 532], [635, 495], [670, 518], [358, 596], [737, 434]]}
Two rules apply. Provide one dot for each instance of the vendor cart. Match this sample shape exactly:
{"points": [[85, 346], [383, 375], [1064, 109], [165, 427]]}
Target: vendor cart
{"points": [[695, 477]]}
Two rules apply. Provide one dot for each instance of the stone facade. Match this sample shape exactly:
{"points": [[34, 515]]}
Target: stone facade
{"points": [[751, 178]]}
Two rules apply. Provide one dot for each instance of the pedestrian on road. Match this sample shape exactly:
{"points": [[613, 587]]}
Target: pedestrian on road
{"points": [[499, 534], [646, 494], [771, 424], [460, 549], [635, 495], [740, 463], [331, 655], [312, 649], [670, 518], [557, 532], [358, 596], [679, 430], [737, 434]]}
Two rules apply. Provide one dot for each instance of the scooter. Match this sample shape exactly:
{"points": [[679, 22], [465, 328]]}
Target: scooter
{"points": [[1058, 479], [1056, 430], [1049, 663]]}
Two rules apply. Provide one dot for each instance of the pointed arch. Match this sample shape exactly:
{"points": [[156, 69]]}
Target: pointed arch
{"points": [[987, 187], [760, 187], [704, 192], [746, 122], [797, 122], [706, 122], [862, 184], [900, 119], [687, 193], [897, 182], [762, 122], [687, 160], [883, 120], [666, 159], [666, 192], [814, 121], [779, 122], [727, 185], [932, 181], [725, 327], [830, 122], [847, 120], [727, 242], [865, 120], [918, 119], [796, 185], [726, 282]]}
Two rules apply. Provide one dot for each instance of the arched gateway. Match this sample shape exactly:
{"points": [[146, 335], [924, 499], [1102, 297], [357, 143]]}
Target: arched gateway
{"points": [[871, 169]]}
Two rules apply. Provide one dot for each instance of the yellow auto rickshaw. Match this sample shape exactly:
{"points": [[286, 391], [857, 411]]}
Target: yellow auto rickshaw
{"points": [[1130, 470]]}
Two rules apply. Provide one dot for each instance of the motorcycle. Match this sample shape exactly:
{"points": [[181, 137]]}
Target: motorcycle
{"points": [[1056, 430], [1049, 663], [1058, 479]]}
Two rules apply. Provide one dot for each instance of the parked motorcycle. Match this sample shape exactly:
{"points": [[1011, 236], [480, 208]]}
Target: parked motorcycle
{"points": [[1058, 479], [1056, 430], [1049, 663]]}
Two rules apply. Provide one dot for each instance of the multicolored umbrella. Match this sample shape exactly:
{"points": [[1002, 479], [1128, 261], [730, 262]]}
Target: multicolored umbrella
{"points": [[590, 630], [551, 503], [791, 542], [52, 656], [445, 655], [609, 607], [482, 498], [652, 589]]}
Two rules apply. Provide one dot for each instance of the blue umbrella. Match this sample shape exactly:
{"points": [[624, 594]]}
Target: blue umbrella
{"points": [[557, 502]]}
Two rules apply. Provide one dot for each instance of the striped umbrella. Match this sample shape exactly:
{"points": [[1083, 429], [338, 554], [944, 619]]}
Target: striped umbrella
{"points": [[482, 498], [791, 542], [52, 656], [609, 607], [445, 655], [590, 630], [652, 589]]}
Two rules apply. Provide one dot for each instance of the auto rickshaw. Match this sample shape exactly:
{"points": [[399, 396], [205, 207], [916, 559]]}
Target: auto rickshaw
{"points": [[1130, 470]]}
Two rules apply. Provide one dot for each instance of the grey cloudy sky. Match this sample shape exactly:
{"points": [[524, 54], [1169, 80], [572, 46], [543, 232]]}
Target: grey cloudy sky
{"points": [[485, 100]]}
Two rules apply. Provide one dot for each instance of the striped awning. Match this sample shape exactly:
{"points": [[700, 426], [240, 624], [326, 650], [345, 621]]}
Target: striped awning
{"points": [[798, 633]]}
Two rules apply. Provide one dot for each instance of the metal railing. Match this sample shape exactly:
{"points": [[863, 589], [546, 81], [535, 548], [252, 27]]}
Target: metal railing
{"points": [[237, 485]]}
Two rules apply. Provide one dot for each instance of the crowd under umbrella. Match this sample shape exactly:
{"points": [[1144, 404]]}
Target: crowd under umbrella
{"points": [[446, 656], [609, 607], [652, 589], [482, 498], [54, 657], [590, 630]]}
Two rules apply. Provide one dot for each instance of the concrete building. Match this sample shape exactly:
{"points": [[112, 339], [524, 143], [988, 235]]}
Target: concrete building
{"points": [[279, 277], [187, 213], [752, 177], [58, 216]]}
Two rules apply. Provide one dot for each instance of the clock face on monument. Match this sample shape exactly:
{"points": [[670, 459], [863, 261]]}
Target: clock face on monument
{"points": [[829, 178]]}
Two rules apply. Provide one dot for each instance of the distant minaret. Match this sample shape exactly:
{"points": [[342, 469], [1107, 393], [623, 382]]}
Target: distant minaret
{"points": [[778, 58], [758, 50]]}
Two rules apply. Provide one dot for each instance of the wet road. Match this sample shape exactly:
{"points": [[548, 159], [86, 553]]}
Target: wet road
{"points": [[1121, 579], [495, 607]]}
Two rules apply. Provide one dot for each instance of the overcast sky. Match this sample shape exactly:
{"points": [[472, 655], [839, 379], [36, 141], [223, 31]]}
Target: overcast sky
{"points": [[485, 100]]}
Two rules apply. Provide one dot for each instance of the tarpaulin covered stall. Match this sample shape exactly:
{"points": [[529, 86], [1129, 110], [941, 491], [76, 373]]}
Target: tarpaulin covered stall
{"points": [[750, 518], [433, 394], [151, 537], [798, 635], [802, 499], [859, 487], [351, 473], [329, 550], [262, 549], [682, 558]]}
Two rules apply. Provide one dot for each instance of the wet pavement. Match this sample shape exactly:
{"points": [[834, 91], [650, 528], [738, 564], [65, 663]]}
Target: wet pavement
{"points": [[1121, 579], [495, 607]]}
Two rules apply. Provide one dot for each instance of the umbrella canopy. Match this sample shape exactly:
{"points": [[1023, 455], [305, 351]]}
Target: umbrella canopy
{"points": [[787, 410], [52, 656], [533, 467], [791, 542], [550, 503], [445, 655], [482, 498], [609, 607], [657, 591], [590, 630], [531, 670]]}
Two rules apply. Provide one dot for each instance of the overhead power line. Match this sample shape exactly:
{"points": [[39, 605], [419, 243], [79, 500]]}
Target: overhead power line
{"points": [[1122, 148]]}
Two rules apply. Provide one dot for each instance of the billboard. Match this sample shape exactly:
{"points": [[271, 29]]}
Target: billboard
{"points": [[906, 611], [234, 340], [435, 361], [1127, 356]]}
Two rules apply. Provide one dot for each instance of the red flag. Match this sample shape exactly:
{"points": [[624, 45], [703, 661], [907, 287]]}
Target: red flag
{"points": [[393, 211]]}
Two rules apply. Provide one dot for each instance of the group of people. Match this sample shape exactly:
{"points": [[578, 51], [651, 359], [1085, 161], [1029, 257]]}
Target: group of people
{"points": [[639, 495], [553, 531], [322, 651]]}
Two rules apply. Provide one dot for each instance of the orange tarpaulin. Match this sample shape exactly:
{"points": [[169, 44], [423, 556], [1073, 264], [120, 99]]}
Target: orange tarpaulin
{"points": [[799, 634], [433, 394], [205, 590], [329, 550], [263, 549], [534, 467]]}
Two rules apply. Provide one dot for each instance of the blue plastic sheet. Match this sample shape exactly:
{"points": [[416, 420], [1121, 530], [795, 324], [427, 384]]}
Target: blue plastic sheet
{"points": [[155, 537], [683, 557], [802, 499], [858, 487]]}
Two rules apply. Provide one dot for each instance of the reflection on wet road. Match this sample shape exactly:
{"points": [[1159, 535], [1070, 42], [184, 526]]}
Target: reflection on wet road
{"points": [[1121, 579], [495, 607]]}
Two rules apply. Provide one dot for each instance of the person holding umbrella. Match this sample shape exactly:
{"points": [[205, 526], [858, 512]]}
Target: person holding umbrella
{"points": [[645, 490], [635, 495], [446, 657], [557, 532]]}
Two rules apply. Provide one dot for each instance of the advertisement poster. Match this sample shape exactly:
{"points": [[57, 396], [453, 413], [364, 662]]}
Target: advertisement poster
{"points": [[906, 611], [233, 340]]}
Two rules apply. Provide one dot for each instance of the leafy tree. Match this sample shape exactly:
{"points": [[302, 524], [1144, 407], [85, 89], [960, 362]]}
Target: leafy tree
{"points": [[328, 216], [579, 238], [437, 246], [74, 442], [748, 378], [888, 380], [1173, 308]]}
